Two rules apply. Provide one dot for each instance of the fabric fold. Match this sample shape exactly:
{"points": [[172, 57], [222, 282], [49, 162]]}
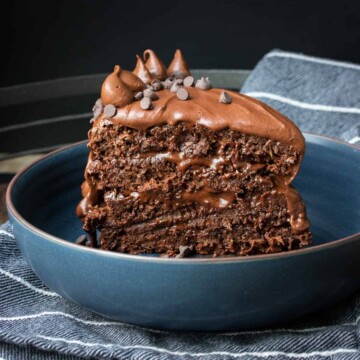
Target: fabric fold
{"points": [[321, 96]]}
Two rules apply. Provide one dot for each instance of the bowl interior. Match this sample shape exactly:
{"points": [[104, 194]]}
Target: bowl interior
{"points": [[47, 193]]}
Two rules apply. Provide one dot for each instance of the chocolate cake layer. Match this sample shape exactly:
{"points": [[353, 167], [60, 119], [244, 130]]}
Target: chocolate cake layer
{"points": [[163, 150], [219, 192], [203, 168], [248, 225]]}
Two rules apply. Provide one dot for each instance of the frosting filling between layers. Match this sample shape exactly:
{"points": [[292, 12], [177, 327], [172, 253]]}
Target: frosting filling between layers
{"points": [[207, 196]]}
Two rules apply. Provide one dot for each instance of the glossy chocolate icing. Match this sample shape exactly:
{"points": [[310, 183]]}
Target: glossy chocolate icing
{"points": [[142, 72], [155, 66], [244, 114], [116, 91], [178, 64], [203, 197]]}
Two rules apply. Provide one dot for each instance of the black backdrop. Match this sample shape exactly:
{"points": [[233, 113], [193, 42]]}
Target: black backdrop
{"points": [[51, 39]]}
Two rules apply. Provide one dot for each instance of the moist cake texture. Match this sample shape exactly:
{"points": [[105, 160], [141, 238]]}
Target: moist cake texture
{"points": [[178, 167]]}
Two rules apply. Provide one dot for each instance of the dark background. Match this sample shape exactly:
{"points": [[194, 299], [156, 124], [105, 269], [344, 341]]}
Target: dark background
{"points": [[51, 39]]}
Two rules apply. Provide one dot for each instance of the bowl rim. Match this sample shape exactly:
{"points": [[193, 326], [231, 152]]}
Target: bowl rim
{"points": [[231, 259]]}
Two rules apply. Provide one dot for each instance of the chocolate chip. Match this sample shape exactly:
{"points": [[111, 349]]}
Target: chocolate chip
{"points": [[139, 95], [167, 83], [175, 87], [182, 94], [109, 110], [184, 251], [81, 240], [150, 94], [188, 81], [225, 98], [97, 110], [177, 75], [98, 104], [146, 103], [105, 122], [203, 84], [157, 85]]}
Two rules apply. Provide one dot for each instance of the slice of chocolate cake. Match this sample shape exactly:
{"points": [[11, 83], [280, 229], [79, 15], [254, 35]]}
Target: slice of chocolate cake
{"points": [[176, 166]]}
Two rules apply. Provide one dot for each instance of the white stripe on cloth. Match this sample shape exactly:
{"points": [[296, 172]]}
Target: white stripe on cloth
{"points": [[116, 323], [27, 284], [354, 140], [3, 232], [303, 105], [86, 322], [313, 59], [263, 354], [284, 330]]}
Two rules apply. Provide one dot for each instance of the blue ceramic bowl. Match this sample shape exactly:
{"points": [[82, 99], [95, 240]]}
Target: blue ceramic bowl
{"points": [[201, 294]]}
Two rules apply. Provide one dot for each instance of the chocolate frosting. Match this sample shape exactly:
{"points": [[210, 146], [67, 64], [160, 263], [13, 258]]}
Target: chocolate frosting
{"points": [[133, 82], [115, 91], [297, 210], [155, 66], [204, 197], [141, 71], [244, 114], [178, 64]]}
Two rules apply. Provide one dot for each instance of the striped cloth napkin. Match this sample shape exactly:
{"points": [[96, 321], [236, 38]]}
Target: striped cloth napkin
{"points": [[35, 323], [321, 96]]}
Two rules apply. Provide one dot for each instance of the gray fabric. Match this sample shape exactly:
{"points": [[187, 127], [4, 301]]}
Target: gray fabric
{"points": [[50, 327], [36, 323], [321, 96]]}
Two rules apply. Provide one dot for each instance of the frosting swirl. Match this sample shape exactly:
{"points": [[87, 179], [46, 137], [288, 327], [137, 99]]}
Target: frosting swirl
{"points": [[118, 87], [155, 66], [178, 64]]}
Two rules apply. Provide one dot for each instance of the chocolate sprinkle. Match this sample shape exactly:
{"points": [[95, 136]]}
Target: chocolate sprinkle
{"points": [[98, 104], [168, 83], [182, 94], [139, 95], [225, 98], [157, 85], [150, 94], [188, 81], [177, 75], [146, 103], [203, 84], [109, 110], [97, 110], [175, 87]]}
